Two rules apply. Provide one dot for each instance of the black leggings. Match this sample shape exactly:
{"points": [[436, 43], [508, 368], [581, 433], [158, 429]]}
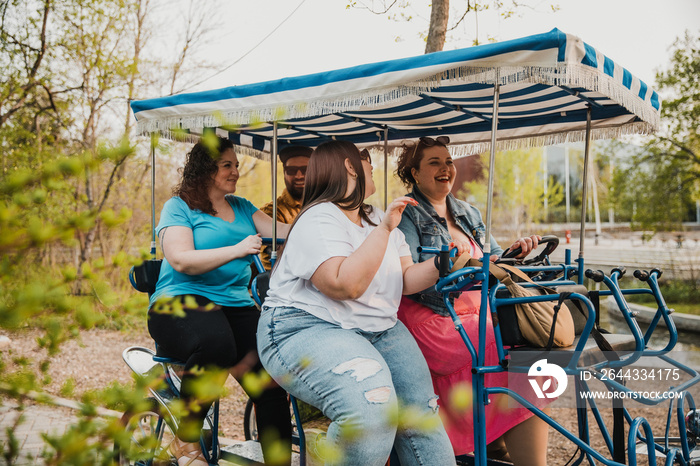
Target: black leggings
{"points": [[221, 337]]}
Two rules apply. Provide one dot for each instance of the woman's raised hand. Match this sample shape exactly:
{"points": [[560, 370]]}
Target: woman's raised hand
{"points": [[393, 213], [250, 245]]}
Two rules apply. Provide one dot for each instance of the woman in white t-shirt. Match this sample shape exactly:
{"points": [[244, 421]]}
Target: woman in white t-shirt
{"points": [[329, 334]]}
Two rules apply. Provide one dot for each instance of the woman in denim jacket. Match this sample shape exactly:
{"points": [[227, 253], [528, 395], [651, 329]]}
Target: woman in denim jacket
{"points": [[439, 218]]}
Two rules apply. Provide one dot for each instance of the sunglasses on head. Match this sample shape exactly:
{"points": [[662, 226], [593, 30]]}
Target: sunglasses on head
{"points": [[364, 155], [292, 171], [430, 142], [441, 140]]}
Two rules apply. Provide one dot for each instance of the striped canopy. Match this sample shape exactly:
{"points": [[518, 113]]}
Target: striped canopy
{"points": [[546, 83]]}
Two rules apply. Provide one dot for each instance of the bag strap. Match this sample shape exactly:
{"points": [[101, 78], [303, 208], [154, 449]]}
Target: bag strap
{"points": [[464, 260], [467, 260], [594, 296], [601, 341], [557, 307], [515, 271]]}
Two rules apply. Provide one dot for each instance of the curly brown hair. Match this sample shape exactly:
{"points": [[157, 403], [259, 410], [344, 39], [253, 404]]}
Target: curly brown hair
{"points": [[198, 174], [411, 156]]}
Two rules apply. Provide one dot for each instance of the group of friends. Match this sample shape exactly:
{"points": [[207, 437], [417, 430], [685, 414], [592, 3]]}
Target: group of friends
{"points": [[351, 324]]}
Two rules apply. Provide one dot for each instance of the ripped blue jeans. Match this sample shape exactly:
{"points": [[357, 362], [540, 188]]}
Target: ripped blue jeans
{"points": [[374, 386]]}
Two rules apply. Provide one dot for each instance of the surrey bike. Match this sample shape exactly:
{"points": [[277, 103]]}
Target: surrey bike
{"points": [[534, 91]]}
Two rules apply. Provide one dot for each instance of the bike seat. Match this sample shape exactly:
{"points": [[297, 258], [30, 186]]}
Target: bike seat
{"points": [[161, 357], [168, 360]]}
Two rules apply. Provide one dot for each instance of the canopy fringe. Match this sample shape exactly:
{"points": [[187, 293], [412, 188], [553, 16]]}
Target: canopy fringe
{"points": [[466, 150], [249, 151], [180, 136], [368, 99], [570, 75]]}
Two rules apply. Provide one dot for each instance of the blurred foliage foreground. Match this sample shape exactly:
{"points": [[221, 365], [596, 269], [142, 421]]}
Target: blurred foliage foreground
{"points": [[60, 300], [63, 299]]}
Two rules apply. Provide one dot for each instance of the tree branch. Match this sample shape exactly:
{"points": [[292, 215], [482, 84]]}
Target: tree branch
{"points": [[371, 10], [687, 150], [32, 72], [469, 7]]}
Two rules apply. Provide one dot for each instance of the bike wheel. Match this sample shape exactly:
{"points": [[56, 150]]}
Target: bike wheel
{"points": [[250, 425], [148, 434]]}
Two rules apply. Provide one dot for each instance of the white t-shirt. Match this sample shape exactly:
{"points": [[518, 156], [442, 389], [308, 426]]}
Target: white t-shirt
{"points": [[323, 232]]}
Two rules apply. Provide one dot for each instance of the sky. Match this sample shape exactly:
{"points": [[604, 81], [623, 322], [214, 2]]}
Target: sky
{"points": [[272, 39]]}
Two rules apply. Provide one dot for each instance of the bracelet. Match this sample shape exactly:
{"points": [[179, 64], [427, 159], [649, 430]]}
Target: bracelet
{"points": [[436, 261]]}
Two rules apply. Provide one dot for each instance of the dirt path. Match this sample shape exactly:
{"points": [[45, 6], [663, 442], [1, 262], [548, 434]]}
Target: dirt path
{"points": [[93, 361]]}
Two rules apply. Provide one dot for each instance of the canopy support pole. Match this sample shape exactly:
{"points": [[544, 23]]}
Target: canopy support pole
{"points": [[492, 161], [153, 195], [386, 167], [478, 389], [584, 195], [273, 171]]}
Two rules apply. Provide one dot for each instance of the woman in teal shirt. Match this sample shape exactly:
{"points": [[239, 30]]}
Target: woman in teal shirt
{"points": [[208, 236]]}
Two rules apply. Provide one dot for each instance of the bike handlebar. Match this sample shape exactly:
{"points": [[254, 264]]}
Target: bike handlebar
{"points": [[596, 276], [620, 270], [267, 241], [550, 241]]}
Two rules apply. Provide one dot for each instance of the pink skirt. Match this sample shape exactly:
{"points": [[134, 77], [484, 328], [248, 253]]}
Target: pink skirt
{"points": [[450, 365]]}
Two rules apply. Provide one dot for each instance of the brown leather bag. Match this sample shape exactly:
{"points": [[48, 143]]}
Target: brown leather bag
{"points": [[544, 324]]}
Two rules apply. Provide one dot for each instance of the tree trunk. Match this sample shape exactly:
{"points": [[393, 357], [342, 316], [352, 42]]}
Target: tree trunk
{"points": [[439, 15]]}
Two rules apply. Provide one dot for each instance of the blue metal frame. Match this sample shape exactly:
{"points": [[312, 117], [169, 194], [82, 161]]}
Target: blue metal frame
{"points": [[295, 407], [639, 430]]}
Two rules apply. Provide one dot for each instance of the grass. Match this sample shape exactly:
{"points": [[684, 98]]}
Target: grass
{"points": [[681, 295], [683, 308]]}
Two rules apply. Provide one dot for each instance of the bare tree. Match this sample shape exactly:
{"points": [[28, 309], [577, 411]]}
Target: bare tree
{"points": [[28, 52], [439, 17], [439, 23]]}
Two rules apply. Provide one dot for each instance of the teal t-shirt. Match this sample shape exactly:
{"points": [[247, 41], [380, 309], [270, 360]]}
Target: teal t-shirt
{"points": [[226, 285]]}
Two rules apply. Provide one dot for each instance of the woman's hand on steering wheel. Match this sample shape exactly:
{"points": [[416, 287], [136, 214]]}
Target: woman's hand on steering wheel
{"points": [[526, 245], [249, 246]]}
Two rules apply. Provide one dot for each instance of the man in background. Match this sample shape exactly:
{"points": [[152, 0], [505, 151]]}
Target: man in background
{"points": [[294, 162]]}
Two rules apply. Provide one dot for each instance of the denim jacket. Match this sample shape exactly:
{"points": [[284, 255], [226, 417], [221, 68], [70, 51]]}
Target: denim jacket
{"points": [[422, 226]]}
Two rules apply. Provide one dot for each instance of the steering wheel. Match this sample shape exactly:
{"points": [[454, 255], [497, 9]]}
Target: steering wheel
{"points": [[550, 241]]}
